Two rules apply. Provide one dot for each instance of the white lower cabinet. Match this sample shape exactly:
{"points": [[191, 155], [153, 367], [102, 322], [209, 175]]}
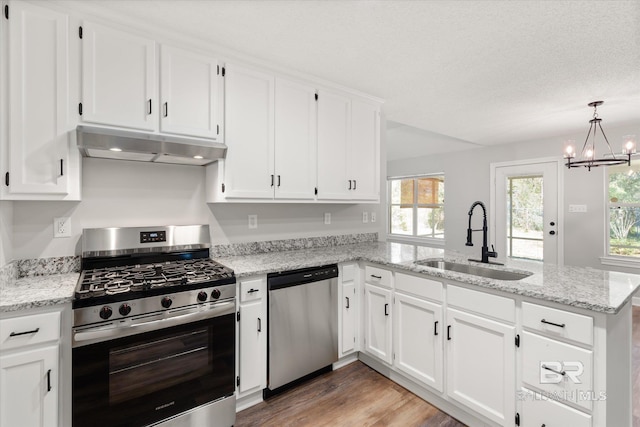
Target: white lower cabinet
{"points": [[347, 342], [418, 339], [481, 365], [252, 330], [30, 370], [29, 388], [378, 324], [537, 410]]}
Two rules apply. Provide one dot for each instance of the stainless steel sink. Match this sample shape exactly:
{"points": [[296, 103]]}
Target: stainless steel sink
{"points": [[473, 270]]}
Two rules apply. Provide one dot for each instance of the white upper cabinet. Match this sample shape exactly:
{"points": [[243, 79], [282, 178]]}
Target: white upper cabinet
{"points": [[39, 158], [334, 123], [189, 94], [249, 129], [348, 148], [364, 161], [295, 146], [119, 84]]}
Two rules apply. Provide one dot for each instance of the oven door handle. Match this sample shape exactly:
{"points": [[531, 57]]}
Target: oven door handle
{"points": [[165, 322]]}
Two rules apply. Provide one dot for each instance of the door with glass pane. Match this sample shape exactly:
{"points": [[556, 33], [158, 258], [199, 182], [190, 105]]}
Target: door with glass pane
{"points": [[526, 212]]}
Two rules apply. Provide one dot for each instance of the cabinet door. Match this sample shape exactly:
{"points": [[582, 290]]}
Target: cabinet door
{"points": [[29, 388], [189, 93], [39, 101], [349, 318], [253, 347], [334, 128], [118, 78], [295, 140], [481, 365], [249, 133], [378, 322], [418, 339], [364, 160]]}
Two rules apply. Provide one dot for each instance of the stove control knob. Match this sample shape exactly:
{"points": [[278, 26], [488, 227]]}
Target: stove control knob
{"points": [[124, 309], [215, 294], [202, 296], [105, 312], [166, 302]]}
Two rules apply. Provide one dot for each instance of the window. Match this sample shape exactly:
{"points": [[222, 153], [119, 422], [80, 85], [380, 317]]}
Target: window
{"points": [[624, 211], [525, 217], [416, 206]]}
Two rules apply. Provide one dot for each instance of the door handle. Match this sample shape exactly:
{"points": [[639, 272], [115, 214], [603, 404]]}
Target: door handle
{"points": [[49, 380], [347, 302], [17, 334], [251, 291], [354, 184], [278, 180], [376, 277], [349, 184], [435, 328], [449, 333], [166, 109], [386, 309], [272, 176], [149, 107], [259, 325]]}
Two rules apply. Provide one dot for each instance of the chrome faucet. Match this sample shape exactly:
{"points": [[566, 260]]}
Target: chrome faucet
{"points": [[486, 253]]}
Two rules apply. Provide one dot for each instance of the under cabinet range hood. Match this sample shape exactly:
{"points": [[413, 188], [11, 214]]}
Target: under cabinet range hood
{"points": [[147, 147]]}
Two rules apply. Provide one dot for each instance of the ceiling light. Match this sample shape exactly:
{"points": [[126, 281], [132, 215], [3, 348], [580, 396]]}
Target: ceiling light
{"points": [[588, 154], [197, 157], [115, 149]]}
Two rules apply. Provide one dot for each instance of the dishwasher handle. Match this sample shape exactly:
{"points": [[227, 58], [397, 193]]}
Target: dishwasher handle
{"points": [[300, 277]]}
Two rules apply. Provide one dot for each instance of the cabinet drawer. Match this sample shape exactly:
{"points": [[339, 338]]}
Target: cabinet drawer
{"points": [[482, 303], [419, 286], [27, 330], [253, 290], [538, 410], [377, 276], [557, 323], [543, 362]]}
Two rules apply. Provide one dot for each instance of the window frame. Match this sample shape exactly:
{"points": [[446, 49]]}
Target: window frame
{"points": [[626, 261], [413, 238]]}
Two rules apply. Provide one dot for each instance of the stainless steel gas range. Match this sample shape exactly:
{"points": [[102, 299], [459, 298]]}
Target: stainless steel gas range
{"points": [[154, 330]]}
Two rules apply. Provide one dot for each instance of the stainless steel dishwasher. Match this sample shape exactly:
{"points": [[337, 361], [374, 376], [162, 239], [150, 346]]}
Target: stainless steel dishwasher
{"points": [[303, 324]]}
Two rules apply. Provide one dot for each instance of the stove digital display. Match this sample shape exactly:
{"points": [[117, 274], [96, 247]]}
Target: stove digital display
{"points": [[153, 236]]}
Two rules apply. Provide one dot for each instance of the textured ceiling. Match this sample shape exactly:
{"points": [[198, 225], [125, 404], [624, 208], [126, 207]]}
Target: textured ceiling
{"points": [[485, 72]]}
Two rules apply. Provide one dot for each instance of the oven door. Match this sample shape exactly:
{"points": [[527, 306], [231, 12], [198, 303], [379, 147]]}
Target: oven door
{"points": [[144, 378]]}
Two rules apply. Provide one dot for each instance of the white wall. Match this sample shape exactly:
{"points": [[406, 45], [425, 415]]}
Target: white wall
{"points": [[120, 194], [6, 226], [467, 180]]}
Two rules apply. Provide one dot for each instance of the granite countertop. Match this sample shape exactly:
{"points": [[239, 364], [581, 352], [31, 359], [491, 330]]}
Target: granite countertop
{"points": [[591, 289], [37, 291]]}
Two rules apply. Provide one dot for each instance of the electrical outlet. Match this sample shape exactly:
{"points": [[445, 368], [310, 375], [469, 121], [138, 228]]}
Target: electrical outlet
{"points": [[365, 217], [373, 217], [62, 227], [327, 218], [253, 221]]}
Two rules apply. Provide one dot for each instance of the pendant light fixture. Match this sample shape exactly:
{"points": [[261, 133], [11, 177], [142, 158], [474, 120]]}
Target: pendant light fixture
{"points": [[588, 154]]}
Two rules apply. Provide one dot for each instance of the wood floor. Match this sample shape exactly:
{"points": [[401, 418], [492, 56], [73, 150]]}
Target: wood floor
{"points": [[356, 395]]}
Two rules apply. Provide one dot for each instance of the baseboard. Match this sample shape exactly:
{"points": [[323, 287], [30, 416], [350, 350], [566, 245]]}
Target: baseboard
{"points": [[350, 358], [248, 401]]}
